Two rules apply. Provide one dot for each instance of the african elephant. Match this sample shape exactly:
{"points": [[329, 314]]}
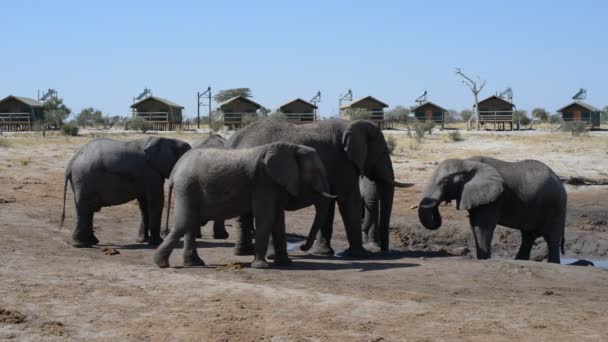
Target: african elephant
{"points": [[106, 172], [525, 195], [212, 141], [216, 184], [347, 150], [371, 200]]}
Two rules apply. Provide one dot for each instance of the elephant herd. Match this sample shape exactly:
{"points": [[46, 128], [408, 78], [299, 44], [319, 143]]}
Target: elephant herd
{"points": [[271, 166]]}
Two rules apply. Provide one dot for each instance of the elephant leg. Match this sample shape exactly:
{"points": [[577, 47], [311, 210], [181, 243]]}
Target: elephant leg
{"points": [[271, 253], [244, 245], [155, 205], [219, 230], [350, 210], [191, 257], [199, 232], [527, 241], [185, 221], [322, 245], [371, 230], [278, 238], [262, 235], [81, 237], [483, 222], [553, 245], [144, 222]]}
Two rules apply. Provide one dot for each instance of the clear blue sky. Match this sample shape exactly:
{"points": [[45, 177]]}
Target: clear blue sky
{"points": [[102, 53]]}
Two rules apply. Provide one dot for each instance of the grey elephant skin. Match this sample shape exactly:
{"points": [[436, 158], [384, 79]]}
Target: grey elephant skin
{"points": [[218, 184], [371, 200], [347, 150], [212, 141], [106, 172], [525, 195]]}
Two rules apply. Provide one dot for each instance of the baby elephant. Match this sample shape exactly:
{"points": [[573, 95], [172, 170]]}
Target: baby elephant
{"points": [[525, 195], [107, 172], [218, 184]]}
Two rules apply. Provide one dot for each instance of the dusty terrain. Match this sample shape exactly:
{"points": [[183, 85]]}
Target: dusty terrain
{"points": [[420, 291]]}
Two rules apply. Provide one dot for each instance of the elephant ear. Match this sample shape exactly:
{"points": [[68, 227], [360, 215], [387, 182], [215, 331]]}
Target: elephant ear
{"points": [[354, 140], [282, 166], [483, 187], [160, 155]]}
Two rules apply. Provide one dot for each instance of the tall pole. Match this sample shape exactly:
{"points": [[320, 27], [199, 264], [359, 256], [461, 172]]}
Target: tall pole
{"points": [[209, 103], [198, 109]]}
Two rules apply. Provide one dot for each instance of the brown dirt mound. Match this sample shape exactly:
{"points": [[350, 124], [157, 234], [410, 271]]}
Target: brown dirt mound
{"points": [[11, 317]]}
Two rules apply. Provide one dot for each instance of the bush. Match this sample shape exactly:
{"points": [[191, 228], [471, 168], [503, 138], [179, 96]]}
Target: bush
{"points": [[555, 119], [247, 119], [277, 115], [140, 124], [577, 128], [70, 129], [216, 125], [391, 143], [357, 114], [418, 129], [455, 136], [428, 126], [4, 143]]}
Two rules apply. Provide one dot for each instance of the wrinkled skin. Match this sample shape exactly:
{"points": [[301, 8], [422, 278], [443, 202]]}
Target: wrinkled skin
{"points": [[105, 172], [217, 184], [212, 141], [347, 150], [525, 195]]}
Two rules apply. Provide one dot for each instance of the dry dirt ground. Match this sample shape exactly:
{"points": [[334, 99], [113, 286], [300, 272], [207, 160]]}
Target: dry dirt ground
{"points": [[421, 291]]}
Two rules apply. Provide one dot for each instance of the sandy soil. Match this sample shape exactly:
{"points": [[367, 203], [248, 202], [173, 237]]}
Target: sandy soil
{"points": [[51, 291]]}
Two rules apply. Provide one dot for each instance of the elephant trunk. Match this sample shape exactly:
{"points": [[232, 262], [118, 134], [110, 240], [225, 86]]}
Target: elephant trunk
{"points": [[386, 193], [428, 213]]}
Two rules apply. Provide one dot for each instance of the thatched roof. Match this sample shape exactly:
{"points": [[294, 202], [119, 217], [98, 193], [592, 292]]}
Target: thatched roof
{"points": [[582, 104], [237, 98], [26, 100], [429, 103], [498, 98], [298, 100], [371, 98], [167, 102]]}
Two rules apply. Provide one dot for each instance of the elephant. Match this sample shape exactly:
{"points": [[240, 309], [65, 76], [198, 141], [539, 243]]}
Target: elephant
{"points": [[218, 184], [212, 141], [347, 149], [525, 195], [106, 172], [372, 234]]}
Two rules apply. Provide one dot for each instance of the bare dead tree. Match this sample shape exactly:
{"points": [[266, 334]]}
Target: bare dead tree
{"points": [[476, 88]]}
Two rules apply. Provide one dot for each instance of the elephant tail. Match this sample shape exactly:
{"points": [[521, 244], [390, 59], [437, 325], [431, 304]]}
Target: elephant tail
{"points": [[68, 177], [168, 208], [563, 242]]}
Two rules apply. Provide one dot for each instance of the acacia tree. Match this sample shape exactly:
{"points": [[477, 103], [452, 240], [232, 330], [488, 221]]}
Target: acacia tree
{"points": [[541, 114], [55, 113], [227, 94], [90, 116], [476, 87]]}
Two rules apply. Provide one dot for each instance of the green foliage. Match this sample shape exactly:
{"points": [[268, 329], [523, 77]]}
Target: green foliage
{"points": [[227, 94], [391, 143], [541, 114], [4, 143], [357, 114], [398, 114], [114, 121], [577, 128], [90, 117], [70, 129], [555, 119], [455, 136], [140, 124], [264, 112], [451, 116], [428, 126], [216, 125], [466, 114], [521, 117], [418, 128], [55, 112], [604, 116], [277, 115]]}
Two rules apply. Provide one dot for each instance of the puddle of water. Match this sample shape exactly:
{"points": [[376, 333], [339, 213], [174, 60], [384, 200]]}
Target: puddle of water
{"points": [[597, 263], [293, 246]]}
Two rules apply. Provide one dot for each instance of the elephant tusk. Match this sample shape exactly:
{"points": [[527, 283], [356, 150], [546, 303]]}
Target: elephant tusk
{"points": [[402, 185], [325, 194]]}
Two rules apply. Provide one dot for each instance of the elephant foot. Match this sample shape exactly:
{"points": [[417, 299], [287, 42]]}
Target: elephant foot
{"points": [[220, 235], [93, 239], [82, 244], [244, 250], [160, 261], [155, 241], [355, 253], [282, 260], [142, 239], [372, 247], [260, 264], [322, 249], [192, 261]]}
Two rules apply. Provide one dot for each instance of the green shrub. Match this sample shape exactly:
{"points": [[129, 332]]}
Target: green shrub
{"points": [[357, 114], [277, 115], [216, 125], [4, 143], [140, 124], [247, 119], [577, 128], [391, 143], [70, 129], [455, 136], [428, 126]]}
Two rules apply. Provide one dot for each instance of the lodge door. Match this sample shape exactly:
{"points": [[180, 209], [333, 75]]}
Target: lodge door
{"points": [[576, 115], [428, 114]]}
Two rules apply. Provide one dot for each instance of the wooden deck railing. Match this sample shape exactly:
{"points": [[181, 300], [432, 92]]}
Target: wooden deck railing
{"points": [[299, 117], [15, 122]]}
